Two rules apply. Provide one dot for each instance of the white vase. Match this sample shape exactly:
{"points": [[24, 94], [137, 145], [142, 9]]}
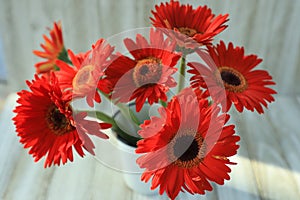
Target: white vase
{"points": [[132, 172], [130, 169]]}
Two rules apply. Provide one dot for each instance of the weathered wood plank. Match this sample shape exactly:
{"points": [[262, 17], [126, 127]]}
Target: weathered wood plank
{"points": [[263, 27], [268, 164], [268, 160], [284, 118], [271, 151], [21, 177]]}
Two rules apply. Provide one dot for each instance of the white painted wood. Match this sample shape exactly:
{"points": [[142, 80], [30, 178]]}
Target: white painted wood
{"points": [[268, 163], [269, 28], [273, 147], [268, 160]]}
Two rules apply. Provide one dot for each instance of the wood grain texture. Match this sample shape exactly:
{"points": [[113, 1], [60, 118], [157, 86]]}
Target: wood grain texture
{"points": [[270, 151], [268, 159], [267, 167], [269, 28]]}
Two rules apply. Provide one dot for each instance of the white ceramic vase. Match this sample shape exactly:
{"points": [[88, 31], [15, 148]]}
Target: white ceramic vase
{"points": [[132, 172], [130, 169]]}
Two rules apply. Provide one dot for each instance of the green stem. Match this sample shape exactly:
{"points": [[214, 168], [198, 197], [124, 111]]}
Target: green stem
{"points": [[182, 69], [128, 113], [108, 119]]}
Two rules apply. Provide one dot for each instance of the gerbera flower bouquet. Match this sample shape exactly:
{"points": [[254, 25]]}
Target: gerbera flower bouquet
{"points": [[174, 65]]}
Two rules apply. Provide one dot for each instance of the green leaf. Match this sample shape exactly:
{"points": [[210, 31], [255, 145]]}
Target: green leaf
{"points": [[131, 140], [63, 56], [104, 117], [163, 103]]}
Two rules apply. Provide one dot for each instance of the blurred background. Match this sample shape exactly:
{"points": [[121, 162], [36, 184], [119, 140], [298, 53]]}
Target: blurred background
{"points": [[268, 28]]}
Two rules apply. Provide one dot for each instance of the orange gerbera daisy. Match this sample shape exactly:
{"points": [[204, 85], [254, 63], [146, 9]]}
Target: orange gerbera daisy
{"points": [[188, 25], [147, 75], [57, 131], [230, 70], [186, 146], [83, 77], [53, 50]]}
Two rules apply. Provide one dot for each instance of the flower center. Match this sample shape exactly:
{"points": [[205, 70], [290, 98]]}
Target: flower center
{"points": [[58, 122], [83, 78], [187, 31], [187, 150], [147, 71], [233, 80], [182, 152], [230, 78]]}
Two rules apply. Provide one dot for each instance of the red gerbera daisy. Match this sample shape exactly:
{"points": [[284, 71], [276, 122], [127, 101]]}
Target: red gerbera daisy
{"points": [[53, 50], [187, 146], [148, 75], [67, 73], [57, 131], [188, 24], [230, 70], [83, 77]]}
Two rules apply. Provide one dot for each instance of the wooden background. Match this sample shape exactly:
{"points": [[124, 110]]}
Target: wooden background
{"points": [[269, 163], [269, 28]]}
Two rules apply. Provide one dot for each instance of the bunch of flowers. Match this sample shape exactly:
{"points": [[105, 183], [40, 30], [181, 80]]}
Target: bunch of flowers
{"points": [[190, 142]]}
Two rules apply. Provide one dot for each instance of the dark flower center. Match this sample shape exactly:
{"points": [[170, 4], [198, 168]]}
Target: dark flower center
{"points": [[231, 79], [187, 31], [186, 148], [147, 71], [144, 70], [58, 122]]}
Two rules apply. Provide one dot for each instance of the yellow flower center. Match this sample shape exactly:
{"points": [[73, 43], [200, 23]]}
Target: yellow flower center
{"points": [[147, 71], [83, 78], [187, 31]]}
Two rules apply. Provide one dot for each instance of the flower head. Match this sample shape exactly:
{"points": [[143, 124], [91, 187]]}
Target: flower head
{"points": [[188, 25], [53, 49], [58, 131], [83, 77], [146, 76], [231, 70], [186, 146]]}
